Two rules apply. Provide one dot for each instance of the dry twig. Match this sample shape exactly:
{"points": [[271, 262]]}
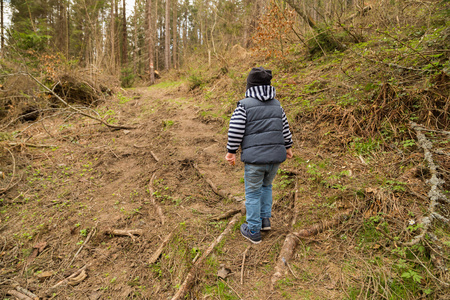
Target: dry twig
{"points": [[27, 292], [211, 184], [435, 194], [189, 280], [243, 263], [152, 197], [71, 278], [92, 233], [158, 252], [18, 295], [125, 232]]}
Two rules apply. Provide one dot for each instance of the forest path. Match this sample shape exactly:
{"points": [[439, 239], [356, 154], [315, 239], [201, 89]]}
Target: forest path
{"points": [[99, 180]]}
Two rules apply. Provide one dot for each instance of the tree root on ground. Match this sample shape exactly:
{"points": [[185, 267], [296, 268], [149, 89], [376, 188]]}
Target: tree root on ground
{"points": [[73, 279], [158, 252], [190, 278], [291, 241]]}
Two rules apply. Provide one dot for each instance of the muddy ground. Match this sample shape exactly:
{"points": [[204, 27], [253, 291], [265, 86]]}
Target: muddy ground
{"points": [[87, 180]]}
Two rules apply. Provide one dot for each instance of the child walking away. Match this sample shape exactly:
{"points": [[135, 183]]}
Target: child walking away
{"points": [[260, 127]]}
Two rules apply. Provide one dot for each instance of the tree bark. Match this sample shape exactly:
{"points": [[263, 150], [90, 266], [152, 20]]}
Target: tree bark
{"points": [[124, 36], [136, 46], [1, 12], [306, 17], [167, 37], [175, 33], [113, 38], [151, 46]]}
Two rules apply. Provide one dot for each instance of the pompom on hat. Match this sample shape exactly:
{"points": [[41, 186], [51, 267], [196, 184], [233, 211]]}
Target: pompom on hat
{"points": [[259, 76]]}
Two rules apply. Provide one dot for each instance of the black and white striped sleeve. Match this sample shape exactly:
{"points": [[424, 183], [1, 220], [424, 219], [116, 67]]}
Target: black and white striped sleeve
{"points": [[287, 135], [237, 129]]}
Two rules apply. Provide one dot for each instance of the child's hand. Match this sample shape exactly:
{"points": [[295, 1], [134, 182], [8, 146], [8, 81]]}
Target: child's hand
{"points": [[231, 158], [289, 153]]}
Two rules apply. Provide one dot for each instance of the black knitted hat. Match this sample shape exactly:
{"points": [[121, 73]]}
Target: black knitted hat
{"points": [[259, 76]]}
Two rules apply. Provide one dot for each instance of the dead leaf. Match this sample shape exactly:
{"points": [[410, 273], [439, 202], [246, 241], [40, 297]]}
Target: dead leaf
{"points": [[44, 275], [223, 272], [40, 246]]}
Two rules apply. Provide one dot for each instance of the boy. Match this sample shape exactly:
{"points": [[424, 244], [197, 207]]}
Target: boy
{"points": [[260, 127]]}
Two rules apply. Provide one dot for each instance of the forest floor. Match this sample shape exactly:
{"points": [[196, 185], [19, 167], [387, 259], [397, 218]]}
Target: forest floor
{"points": [[62, 215]]}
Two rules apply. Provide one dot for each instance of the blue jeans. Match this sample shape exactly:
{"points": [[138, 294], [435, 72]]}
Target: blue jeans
{"points": [[258, 193]]}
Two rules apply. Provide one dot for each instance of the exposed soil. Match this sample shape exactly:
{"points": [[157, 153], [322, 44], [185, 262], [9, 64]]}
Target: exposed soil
{"points": [[97, 180]]}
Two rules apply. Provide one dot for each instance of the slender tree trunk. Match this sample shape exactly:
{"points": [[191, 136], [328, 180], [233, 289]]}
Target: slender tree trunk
{"points": [[136, 46], [151, 46], [167, 37], [157, 40], [117, 33], [66, 13], [113, 38], [2, 38], [305, 16], [124, 37], [175, 32], [185, 31]]}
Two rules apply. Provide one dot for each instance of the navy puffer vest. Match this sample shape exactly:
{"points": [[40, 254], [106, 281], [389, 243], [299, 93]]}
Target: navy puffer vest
{"points": [[263, 141]]}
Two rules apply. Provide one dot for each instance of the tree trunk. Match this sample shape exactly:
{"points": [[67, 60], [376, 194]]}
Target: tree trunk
{"points": [[136, 46], [167, 37], [117, 38], [185, 31], [151, 46], [124, 37], [306, 17], [66, 14], [1, 17], [113, 38], [175, 33]]}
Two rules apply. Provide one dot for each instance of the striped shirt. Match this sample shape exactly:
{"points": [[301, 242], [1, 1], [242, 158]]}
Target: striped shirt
{"points": [[236, 130]]}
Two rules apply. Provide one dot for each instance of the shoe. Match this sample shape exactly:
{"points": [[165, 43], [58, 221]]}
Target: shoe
{"points": [[254, 237], [265, 224]]}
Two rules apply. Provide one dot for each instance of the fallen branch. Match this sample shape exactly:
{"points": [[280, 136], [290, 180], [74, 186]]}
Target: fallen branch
{"points": [[152, 197], [76, 109], [435, 194], [189, 280], [161, 247], [229, 213], [243, 263], [291, 241], [78, 274], [124, 232], [27, 293], [31, 145], [18, 295], [212, 185], [154, 156], [76, 280], [84, 243]]}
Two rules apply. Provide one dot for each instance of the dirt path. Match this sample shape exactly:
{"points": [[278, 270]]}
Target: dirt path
{"points": [[98, 180]]}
